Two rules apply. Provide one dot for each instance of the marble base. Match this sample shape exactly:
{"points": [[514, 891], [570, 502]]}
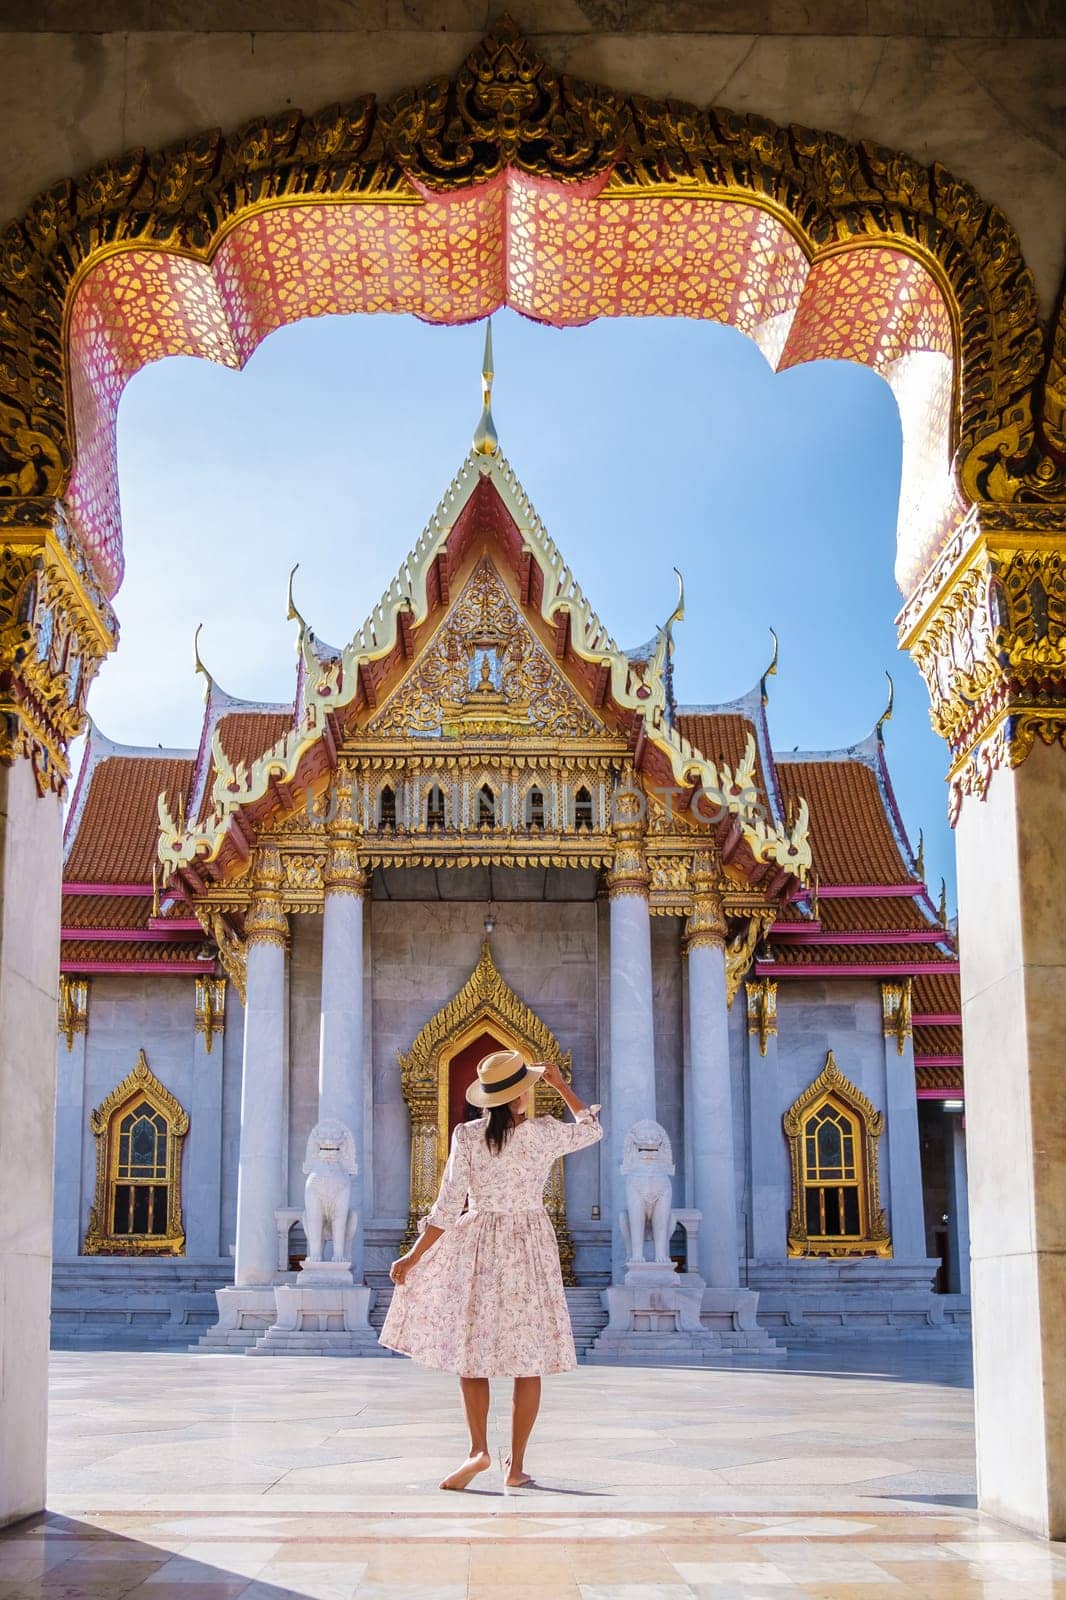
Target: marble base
{"points": [[243, 1316], [322, 1314], [815, 1300], [660, 1316]]}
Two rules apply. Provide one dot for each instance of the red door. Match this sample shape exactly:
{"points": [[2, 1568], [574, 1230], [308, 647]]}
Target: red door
{"points": [[462, 1070]]}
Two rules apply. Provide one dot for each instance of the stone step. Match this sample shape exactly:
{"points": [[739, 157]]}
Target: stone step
{"points": [[587, 1315]]}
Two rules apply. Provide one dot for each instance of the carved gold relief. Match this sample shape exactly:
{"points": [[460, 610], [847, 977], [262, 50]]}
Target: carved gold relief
{"points": [[706, 922], [266, 922], [896, 1012], [762, 1010], [741, 947], [831, 1089], [210, 1009], [123, 1170], [485, 1002], [73, 1007]]}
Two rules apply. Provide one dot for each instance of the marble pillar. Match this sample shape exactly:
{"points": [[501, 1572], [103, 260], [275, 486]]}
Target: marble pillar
{"points": [[1012, 889], [341, 1091], [906, 1215], [713, 1156], [71, 1128], [261, 1168], [30, 873], [631, 1004], [958, 1208], [202, 1175]]}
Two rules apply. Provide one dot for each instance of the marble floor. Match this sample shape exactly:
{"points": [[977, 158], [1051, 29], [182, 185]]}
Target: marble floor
{"points": [[176, 1477]]}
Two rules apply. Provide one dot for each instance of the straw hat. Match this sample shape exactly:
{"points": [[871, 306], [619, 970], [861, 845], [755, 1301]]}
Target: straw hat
{"points": [[502, 1076]]}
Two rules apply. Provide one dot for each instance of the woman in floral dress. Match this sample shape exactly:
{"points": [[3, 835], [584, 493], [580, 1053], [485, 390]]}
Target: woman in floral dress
{"points": [[480, 1294]]}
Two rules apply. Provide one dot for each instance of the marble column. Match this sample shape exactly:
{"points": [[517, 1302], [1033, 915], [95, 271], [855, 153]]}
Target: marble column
{"points": [[906, 1214], [958, 1208], [770, 1174], [202, 1177], [713, 1157], [71, 1121], [631, 1001], [30, 874], [341, 1069], [1012, 888], [261, 1168]]}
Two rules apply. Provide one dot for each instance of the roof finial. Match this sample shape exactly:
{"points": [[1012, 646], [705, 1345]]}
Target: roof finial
{"points": [[486, 441], [886, 715], [209, 680], [771, 671], [919, 860]]}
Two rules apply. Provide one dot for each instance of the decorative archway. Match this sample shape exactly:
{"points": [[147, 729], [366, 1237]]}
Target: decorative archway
{"points": [[486, 1004], [833, 1133], [140, 1131]]}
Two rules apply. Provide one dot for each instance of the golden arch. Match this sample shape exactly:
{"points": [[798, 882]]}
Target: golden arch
{"points": [[158, 1179], [859, 1126], [182, 226], [486, 1002]]}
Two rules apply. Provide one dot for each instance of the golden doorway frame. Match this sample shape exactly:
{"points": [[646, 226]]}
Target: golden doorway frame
{"points": [[486, 1002]]}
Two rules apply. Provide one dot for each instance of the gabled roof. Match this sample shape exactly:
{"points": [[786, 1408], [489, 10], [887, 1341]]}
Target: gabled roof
{"points": [[856, 835], [111, 829]]}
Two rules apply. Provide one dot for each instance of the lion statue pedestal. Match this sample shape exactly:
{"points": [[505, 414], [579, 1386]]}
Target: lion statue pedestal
{"points": [[656, 1314], [324, 1313]]}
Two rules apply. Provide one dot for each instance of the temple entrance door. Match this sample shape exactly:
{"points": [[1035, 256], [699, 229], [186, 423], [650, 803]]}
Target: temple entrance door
{"points": [[462, 1070]]}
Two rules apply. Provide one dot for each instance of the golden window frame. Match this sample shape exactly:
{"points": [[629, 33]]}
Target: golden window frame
{"points": [[101, 1237], [831, 1087]]}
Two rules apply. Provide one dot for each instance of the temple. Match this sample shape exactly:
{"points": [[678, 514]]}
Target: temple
{"points": [[483, 823]]}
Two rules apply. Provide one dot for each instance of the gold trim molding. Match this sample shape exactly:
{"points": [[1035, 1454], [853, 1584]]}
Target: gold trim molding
{"points": [[142, 1081], [896, 1012], [831, 1084], [762, 1010], [486, 1001], [210, 1009]]}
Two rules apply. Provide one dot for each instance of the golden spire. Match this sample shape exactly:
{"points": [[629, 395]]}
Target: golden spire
{"points": [[771, 671], [486, 442], [209, 682], [886, 715]]}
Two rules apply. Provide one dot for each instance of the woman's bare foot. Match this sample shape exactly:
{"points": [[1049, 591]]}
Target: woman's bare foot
{"points": [[514, 1480], [477, 1461]]}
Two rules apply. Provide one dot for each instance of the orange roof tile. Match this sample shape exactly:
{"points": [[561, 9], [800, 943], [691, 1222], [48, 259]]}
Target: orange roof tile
{"points": [[119, 825], [106, 910], [937, 1041], [935, 1076], [244, 736], [115, 952], [936, 994], [800, 954], [889, 914], [851, 837], [722, 736]]}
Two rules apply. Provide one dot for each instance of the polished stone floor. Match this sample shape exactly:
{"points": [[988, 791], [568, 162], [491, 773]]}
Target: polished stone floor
{"points": [[831, 1475]]}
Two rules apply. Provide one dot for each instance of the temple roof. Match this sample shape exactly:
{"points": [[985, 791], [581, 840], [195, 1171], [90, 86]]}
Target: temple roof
{"points": [[111, 828]]}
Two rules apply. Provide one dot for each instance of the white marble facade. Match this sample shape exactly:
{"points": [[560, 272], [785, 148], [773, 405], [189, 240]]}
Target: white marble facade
{"points": [[556, 954]]}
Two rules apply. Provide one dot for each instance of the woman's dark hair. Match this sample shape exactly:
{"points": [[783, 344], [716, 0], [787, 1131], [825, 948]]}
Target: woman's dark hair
{"points": [[500, 1128]]}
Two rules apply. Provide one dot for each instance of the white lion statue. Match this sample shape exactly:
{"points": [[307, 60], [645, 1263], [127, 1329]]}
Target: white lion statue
{"points": [[330, 1166], [647, 1166]]}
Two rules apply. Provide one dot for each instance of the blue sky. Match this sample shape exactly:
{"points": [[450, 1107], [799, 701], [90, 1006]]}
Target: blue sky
{"points": [[643, 443]]}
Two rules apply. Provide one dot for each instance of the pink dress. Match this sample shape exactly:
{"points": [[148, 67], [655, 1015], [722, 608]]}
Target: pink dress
{"points": [[487, 1300]]}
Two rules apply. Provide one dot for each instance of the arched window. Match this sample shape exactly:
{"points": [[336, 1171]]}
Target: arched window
{"points": [[583, 809], [387, 807], [486, 807], [139, 1131], [436, 815], [833, 1132], [535, 807]]}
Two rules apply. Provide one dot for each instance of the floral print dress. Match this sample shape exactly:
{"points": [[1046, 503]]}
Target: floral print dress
{"points": [[487, 1300]]}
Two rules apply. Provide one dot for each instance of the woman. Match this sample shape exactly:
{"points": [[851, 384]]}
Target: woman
{"points": [[480, 1293]]}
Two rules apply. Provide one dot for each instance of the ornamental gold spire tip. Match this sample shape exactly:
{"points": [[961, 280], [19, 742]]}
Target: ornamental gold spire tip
{"points": [[486, 440]]}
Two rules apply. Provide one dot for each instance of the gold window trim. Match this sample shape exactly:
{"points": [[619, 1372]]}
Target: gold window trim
{"points": [[100, 1238], [485, 1002], [831, 1087]]}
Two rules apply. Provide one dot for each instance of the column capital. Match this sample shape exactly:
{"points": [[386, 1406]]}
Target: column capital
{"points": [[629, 874], [987, 630], [266, 922], [344, 873], [73, 1007], [56, 627], [706, 920]]}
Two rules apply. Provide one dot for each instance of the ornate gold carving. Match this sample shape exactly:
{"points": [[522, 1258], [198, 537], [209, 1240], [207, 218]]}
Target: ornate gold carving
{"points": [[762, 1009], [989, 637], [73, 1007], [740, 950], [505, 108], [55, 629], [486, 1002], [344, 872], [485, 672], [266, 922], [629, 873], [100, 1238], [706, 923], [896, 1012], [832, 1086], [210, 1009]]}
